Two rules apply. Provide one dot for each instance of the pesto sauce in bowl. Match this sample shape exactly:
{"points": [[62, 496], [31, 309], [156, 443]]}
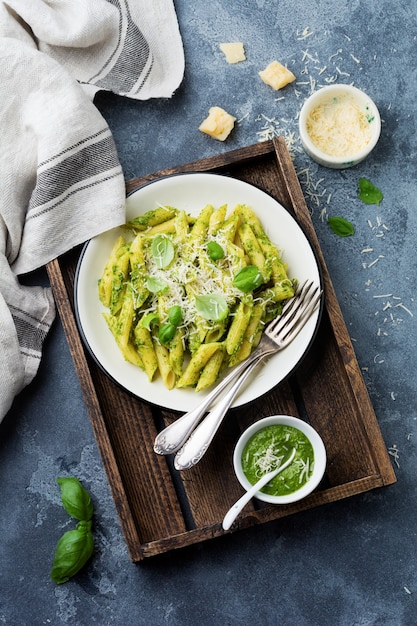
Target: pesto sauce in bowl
{"points": [[270, 447]]}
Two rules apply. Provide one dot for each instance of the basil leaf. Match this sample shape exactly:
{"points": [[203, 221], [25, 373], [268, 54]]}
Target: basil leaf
{"points": [[75, 498], [155, 285], [72, 552], [212, 307], [166, 333], [148, 320], [368, 193], [175, 315], [341, 227], [248, 278], [162, 251], [215, 251]]}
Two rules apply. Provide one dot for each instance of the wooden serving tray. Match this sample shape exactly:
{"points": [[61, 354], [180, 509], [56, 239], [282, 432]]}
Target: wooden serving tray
{"points": [[161, 509]]}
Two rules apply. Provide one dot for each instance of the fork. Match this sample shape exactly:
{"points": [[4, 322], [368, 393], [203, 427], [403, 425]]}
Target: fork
{"points": [[190, 440], [276, 336]]}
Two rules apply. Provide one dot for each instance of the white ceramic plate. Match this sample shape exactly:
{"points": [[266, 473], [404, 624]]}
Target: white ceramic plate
{"points": [[191, 192]]}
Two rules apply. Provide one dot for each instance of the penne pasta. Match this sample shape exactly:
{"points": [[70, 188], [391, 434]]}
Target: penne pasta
{"points": [[105, 283], [176, 352], [165, 369], [210, 371], [279, 291], [128, 351], [251, 335], [216, 219], [167, 227], [200, 228], [188, 296], [253, 250], [199, 359], [145, 348], [151, 218], [238, 327]]}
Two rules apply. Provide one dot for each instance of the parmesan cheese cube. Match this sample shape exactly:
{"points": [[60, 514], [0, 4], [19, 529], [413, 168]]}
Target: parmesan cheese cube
{"points": [[218, 124], [234, 52], [276, 75]]}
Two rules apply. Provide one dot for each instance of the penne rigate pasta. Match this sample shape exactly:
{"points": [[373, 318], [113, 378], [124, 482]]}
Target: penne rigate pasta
{"points": [[145, 347], [188, 296]]}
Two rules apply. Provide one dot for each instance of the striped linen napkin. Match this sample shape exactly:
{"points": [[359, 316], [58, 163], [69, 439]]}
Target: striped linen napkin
{"points": [[60, 178]]}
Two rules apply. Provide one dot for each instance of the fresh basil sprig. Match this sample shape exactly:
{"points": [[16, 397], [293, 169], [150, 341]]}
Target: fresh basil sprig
{"points": [[155, 284], [368, 193], [212, 307], [248, 278], [75, 546], [341, 227], [166, 333], [215, 251], [163, 251], [175, 315], [72, 552], [75, 499], [168, 330]]}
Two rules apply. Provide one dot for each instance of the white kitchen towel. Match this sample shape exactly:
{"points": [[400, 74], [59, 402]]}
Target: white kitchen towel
{"points": [[60, 178]]}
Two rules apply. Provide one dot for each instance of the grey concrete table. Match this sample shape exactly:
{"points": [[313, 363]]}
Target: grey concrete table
{"points": [[350, 563]]}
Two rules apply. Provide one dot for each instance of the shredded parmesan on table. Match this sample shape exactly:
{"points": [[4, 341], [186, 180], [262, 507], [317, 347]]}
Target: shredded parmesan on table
{"points": [[316, 71], [394, 452]]}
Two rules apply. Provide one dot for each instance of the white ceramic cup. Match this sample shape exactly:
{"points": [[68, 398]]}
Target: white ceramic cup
{"points": [[366, 106], [319, 457]]}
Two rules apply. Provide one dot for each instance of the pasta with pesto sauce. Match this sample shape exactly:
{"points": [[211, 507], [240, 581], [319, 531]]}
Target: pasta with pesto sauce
{"points": [[188, 297]]}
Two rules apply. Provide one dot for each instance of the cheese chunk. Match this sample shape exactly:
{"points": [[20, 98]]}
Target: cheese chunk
{"points": [[218, 124], [234, 52], [276, 75]]}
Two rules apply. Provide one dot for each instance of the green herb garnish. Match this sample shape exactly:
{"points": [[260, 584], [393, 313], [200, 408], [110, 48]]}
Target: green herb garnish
{"points": [[368, 193], [156, 285], [166, 333], [75, 499], [215, 251], [248, 278], [163, 251], [149, 319], [75, 546], [341, 227], [175, 315], [212, 307]]}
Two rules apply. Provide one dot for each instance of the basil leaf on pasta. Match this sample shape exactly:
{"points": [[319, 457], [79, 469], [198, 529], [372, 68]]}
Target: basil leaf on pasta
{"points": [[212, 307]]}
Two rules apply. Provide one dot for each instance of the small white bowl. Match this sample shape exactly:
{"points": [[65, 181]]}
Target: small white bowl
{"points": [[319, 458], [343, 107]]}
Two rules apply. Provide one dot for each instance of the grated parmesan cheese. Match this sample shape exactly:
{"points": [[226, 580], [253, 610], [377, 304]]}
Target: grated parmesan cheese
{"points": [[338, 127]]}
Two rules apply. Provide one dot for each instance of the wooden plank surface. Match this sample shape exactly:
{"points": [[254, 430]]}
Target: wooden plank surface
{"points": [[161, 509]]}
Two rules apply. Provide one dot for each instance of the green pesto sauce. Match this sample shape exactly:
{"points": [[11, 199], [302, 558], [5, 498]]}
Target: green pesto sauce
{"points": [[271, 446]]}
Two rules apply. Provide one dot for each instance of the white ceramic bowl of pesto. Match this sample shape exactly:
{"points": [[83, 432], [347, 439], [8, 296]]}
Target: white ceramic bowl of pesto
{"points": [[269, 442], [339, 126]]}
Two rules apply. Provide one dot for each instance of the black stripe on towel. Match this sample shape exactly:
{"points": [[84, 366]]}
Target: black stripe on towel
{"points": [[132, 59], [29, 333], [83, 164]]}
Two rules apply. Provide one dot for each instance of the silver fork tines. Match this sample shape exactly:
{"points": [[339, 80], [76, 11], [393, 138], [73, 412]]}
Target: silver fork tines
{"points": [[190, 437], [286, 326]]}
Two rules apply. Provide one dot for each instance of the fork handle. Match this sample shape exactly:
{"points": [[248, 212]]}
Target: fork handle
{"points": [[176, 434], [196, 446]]}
